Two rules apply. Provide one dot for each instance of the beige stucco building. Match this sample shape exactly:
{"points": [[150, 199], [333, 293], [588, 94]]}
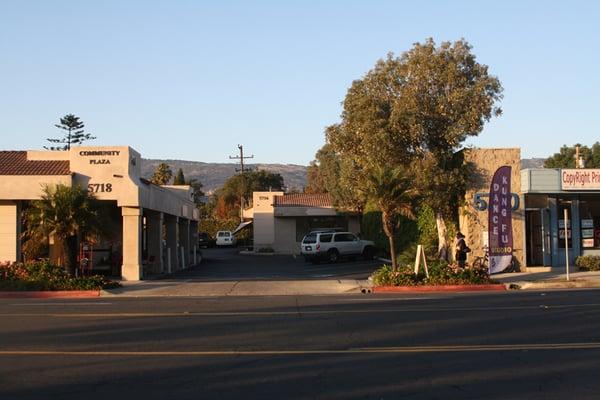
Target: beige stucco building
{"points": [[473, 223], [281, 220], [156, 226]]}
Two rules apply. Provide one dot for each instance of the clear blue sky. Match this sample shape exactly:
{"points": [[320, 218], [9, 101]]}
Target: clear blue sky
{"points": [[192, 79]]}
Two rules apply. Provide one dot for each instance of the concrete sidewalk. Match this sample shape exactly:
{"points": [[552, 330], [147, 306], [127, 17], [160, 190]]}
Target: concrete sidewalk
{"points": [[238, 288], [555, 279]]}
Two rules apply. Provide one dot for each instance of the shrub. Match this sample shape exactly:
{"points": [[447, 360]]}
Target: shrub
{"points": [[440, 273], [588, 263], [41, 275]]}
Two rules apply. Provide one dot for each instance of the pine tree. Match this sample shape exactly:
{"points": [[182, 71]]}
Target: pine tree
{"points": [[74, 133], [179, 178]]}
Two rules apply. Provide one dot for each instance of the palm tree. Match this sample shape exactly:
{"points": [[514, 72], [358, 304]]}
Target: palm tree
{"points": [[66, 213], [162, 175], [394, 193]]}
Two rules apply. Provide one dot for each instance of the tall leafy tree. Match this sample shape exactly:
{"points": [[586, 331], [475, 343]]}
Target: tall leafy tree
{"points": [[162, 174], [243, 185], [565, 158], [330, 173], [74, 133], [418, 109], [68, 214]]}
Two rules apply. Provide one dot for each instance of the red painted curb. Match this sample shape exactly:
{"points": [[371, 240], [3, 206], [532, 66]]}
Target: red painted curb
{"points": [[437, 288], [50, 294]]}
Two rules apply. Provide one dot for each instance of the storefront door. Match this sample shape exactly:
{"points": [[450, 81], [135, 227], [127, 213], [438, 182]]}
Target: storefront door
{"points": [[538, 236]]}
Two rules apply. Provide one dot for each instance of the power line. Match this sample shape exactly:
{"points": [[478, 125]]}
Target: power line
{"points": [[241, 157]]}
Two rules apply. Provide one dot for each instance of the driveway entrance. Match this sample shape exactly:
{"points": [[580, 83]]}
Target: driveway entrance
{"points": [[227, 264]]}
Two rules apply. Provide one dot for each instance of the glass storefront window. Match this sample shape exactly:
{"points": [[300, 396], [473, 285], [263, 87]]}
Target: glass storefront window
{"points": [[589, 211]]}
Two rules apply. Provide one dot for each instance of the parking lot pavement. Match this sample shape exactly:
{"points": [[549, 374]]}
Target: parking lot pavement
{"points": [[227, 264]]}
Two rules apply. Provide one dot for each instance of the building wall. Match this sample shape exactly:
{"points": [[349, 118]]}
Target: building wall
{"points": [[285, 236], [29, 187], [474, 223], [9, 231], [264, 219]]}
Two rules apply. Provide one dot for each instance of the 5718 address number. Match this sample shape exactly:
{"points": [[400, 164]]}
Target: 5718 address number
{"points": [[99, 187]]}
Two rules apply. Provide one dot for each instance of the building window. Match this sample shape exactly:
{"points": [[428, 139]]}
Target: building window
{"points": [[589, 212]]}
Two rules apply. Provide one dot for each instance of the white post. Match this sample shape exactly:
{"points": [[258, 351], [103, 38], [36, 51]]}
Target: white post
{"points": [[418, 259], [169, 260], [567, 243]]}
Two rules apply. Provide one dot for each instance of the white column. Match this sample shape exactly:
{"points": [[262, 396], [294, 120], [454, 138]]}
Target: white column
{"points": [[132, 244]]}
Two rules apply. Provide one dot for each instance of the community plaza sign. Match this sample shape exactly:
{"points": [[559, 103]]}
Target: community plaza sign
{"points": [[580, 179], [99, 156]]}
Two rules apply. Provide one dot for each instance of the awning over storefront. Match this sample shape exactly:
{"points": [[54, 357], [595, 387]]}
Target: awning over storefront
{"points": [[242, 226]]}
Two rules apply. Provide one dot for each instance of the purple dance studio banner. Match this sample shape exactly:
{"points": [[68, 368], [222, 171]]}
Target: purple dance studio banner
{"points": [[500, 221]]}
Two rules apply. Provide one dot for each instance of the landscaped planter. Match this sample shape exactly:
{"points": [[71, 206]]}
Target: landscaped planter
{"points": [[437, 288], [48, 294]]}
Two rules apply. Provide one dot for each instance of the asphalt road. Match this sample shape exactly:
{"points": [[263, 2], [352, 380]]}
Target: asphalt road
{"points": [[226, 264], [514, 345]]}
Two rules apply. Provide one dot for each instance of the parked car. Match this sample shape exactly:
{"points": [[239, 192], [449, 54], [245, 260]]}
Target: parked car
{"points": [[204, 240], [331, 246], [225, 238]]}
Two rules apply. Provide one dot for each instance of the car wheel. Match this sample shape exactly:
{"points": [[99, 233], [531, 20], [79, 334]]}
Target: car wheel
{"points": [[368, 253], [333, 256]]}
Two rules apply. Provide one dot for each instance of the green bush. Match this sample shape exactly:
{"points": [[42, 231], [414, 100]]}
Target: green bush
{"points": [[588, 263], [440, 273], [41, 275]]}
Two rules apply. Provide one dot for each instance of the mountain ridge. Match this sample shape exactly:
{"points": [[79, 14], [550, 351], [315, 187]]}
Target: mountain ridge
{"points": [[213, 175]]}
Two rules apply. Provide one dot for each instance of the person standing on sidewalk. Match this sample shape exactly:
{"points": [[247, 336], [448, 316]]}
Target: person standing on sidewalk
{"points": [[461, 250]]}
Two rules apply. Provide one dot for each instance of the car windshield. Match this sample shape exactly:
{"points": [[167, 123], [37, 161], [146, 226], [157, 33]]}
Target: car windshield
{"points": [[223, 234], [310, 238]]}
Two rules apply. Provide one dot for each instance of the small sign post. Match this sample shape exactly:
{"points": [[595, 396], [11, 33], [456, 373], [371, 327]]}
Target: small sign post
{"points": [[566, 243]]}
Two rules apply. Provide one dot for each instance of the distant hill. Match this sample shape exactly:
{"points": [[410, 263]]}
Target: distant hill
{"points": [[213, 175], [532, 163]]}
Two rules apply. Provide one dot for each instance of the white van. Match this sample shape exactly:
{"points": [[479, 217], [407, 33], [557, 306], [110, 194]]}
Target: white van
{"points": [[225, 238]]}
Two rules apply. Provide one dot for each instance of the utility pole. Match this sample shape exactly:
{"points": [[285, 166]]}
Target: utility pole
{"points": [[241, 157]]}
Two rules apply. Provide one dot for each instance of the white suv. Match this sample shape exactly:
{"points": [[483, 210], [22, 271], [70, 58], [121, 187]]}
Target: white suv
{"points": [[331, 246], [225, 238]]}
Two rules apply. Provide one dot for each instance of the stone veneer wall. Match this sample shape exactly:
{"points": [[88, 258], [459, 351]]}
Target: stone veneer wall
{"points": [[472, 222]]}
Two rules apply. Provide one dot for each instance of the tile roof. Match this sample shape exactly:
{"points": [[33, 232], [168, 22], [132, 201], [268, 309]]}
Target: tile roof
{"points": [[16, 163], [304, 200]]}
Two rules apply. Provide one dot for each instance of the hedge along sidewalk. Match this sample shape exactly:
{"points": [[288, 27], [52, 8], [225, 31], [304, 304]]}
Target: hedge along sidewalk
{"points": [[50, 294]]}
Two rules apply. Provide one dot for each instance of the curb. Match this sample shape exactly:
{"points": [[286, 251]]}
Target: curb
{"points": [[437, 288], [575, 284], [61, 294]]}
